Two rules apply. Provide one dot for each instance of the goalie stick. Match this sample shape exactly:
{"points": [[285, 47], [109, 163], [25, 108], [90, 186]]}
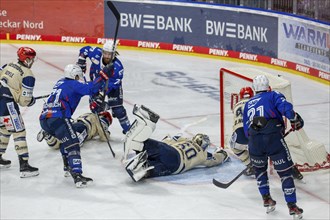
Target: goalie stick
{"points": [[117, 15], [226, 185], [41, 97]]}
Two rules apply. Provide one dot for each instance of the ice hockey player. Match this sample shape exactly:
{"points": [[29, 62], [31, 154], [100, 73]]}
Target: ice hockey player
{"points": [[86, 126], [100, 58], [239, 142], [170, 156], [263, 124], [55, 118], [16, 89]]}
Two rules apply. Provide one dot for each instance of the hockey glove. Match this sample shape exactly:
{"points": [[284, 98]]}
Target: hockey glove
{"points": [[32, 102], [97, 104], [107, 72], [297, 122], [82, 63]]}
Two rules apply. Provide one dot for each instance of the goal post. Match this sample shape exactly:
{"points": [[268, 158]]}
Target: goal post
{"points": [[307, 154]]}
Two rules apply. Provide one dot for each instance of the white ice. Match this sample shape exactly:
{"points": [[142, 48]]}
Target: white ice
{"points": [[188, 196]]}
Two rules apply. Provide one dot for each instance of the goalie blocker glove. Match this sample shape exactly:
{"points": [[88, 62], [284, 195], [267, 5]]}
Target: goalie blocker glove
{"points": [[297, 122]]}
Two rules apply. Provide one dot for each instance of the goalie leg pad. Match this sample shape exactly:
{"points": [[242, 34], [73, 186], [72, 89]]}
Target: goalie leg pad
{"points": [[140, 130], [138, 167]]}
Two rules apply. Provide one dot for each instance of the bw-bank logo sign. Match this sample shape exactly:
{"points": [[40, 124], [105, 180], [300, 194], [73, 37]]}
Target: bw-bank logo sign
{"points": [[181, 24], [196, 26], [155, 22]]}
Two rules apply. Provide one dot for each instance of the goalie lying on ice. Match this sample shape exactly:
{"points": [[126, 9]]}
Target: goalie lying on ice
{"points": [[87, 128], [172, 155]]}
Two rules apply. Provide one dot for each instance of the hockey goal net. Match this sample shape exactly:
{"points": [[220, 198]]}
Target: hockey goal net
{"points": [[308, 155]]}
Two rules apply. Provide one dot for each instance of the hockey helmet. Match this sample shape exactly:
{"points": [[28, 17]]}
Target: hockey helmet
{"points": [[26, 55], [245, 92], [109, 47], [260, 83], [71, 71], [202, 140]]}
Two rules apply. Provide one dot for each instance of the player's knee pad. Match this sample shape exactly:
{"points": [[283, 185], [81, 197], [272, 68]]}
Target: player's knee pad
{"points": [[281, 162], [20, 142], [141, 129], [119, 112]]}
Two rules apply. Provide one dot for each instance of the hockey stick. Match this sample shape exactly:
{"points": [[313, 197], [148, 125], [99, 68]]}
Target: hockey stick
{"points": [[226, 185], [41, 97], [117, 15]]}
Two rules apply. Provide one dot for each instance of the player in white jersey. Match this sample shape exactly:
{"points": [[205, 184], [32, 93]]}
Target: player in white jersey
{"points": [[16, 88], [238, 141], [87, 128], [170, 156]]}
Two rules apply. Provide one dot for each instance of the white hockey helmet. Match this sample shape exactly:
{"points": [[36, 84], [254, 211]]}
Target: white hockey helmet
{"points": [[260, 83], [73, 70], [202, 140], [109, 47]]}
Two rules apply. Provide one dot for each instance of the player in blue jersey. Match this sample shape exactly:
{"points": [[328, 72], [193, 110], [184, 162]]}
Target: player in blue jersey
{"points": [[171, 155], [100, 58], [55, 118], [264, 126]]}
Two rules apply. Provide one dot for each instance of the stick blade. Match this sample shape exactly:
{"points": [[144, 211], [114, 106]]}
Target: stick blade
{"points": [[221, 185]]}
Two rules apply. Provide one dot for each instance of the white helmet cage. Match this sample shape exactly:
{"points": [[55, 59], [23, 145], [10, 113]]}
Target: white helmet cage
{"points": [[73, 70], [260, 83]]}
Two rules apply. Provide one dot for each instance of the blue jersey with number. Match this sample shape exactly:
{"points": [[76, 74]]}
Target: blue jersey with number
{"points": [[65, 97], [271, 105], [95, 56]]}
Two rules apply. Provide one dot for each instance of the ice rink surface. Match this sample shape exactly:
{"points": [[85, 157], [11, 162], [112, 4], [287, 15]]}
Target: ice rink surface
{"points": [[163, 82]]}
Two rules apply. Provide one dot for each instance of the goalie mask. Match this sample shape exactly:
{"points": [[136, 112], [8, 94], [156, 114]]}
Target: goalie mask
{"points": [[245, 92], [202, 140]]}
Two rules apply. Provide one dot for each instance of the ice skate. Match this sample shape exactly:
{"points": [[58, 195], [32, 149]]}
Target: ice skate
{"points": [[249, 171], [26, 170], [269, 203], [137, 167], [295, 211], [80, 181], [66, 167], [4, 163]]}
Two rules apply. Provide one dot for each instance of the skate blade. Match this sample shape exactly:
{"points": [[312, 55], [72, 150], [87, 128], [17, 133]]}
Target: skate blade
{"points": [[5, 166], [297, 216], [67, 174], [83, 184], [270, 209], [29, 174]]}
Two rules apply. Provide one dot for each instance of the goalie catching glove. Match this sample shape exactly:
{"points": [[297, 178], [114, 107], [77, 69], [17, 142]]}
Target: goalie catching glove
{"points": [[297, 122], [97, 105]]}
